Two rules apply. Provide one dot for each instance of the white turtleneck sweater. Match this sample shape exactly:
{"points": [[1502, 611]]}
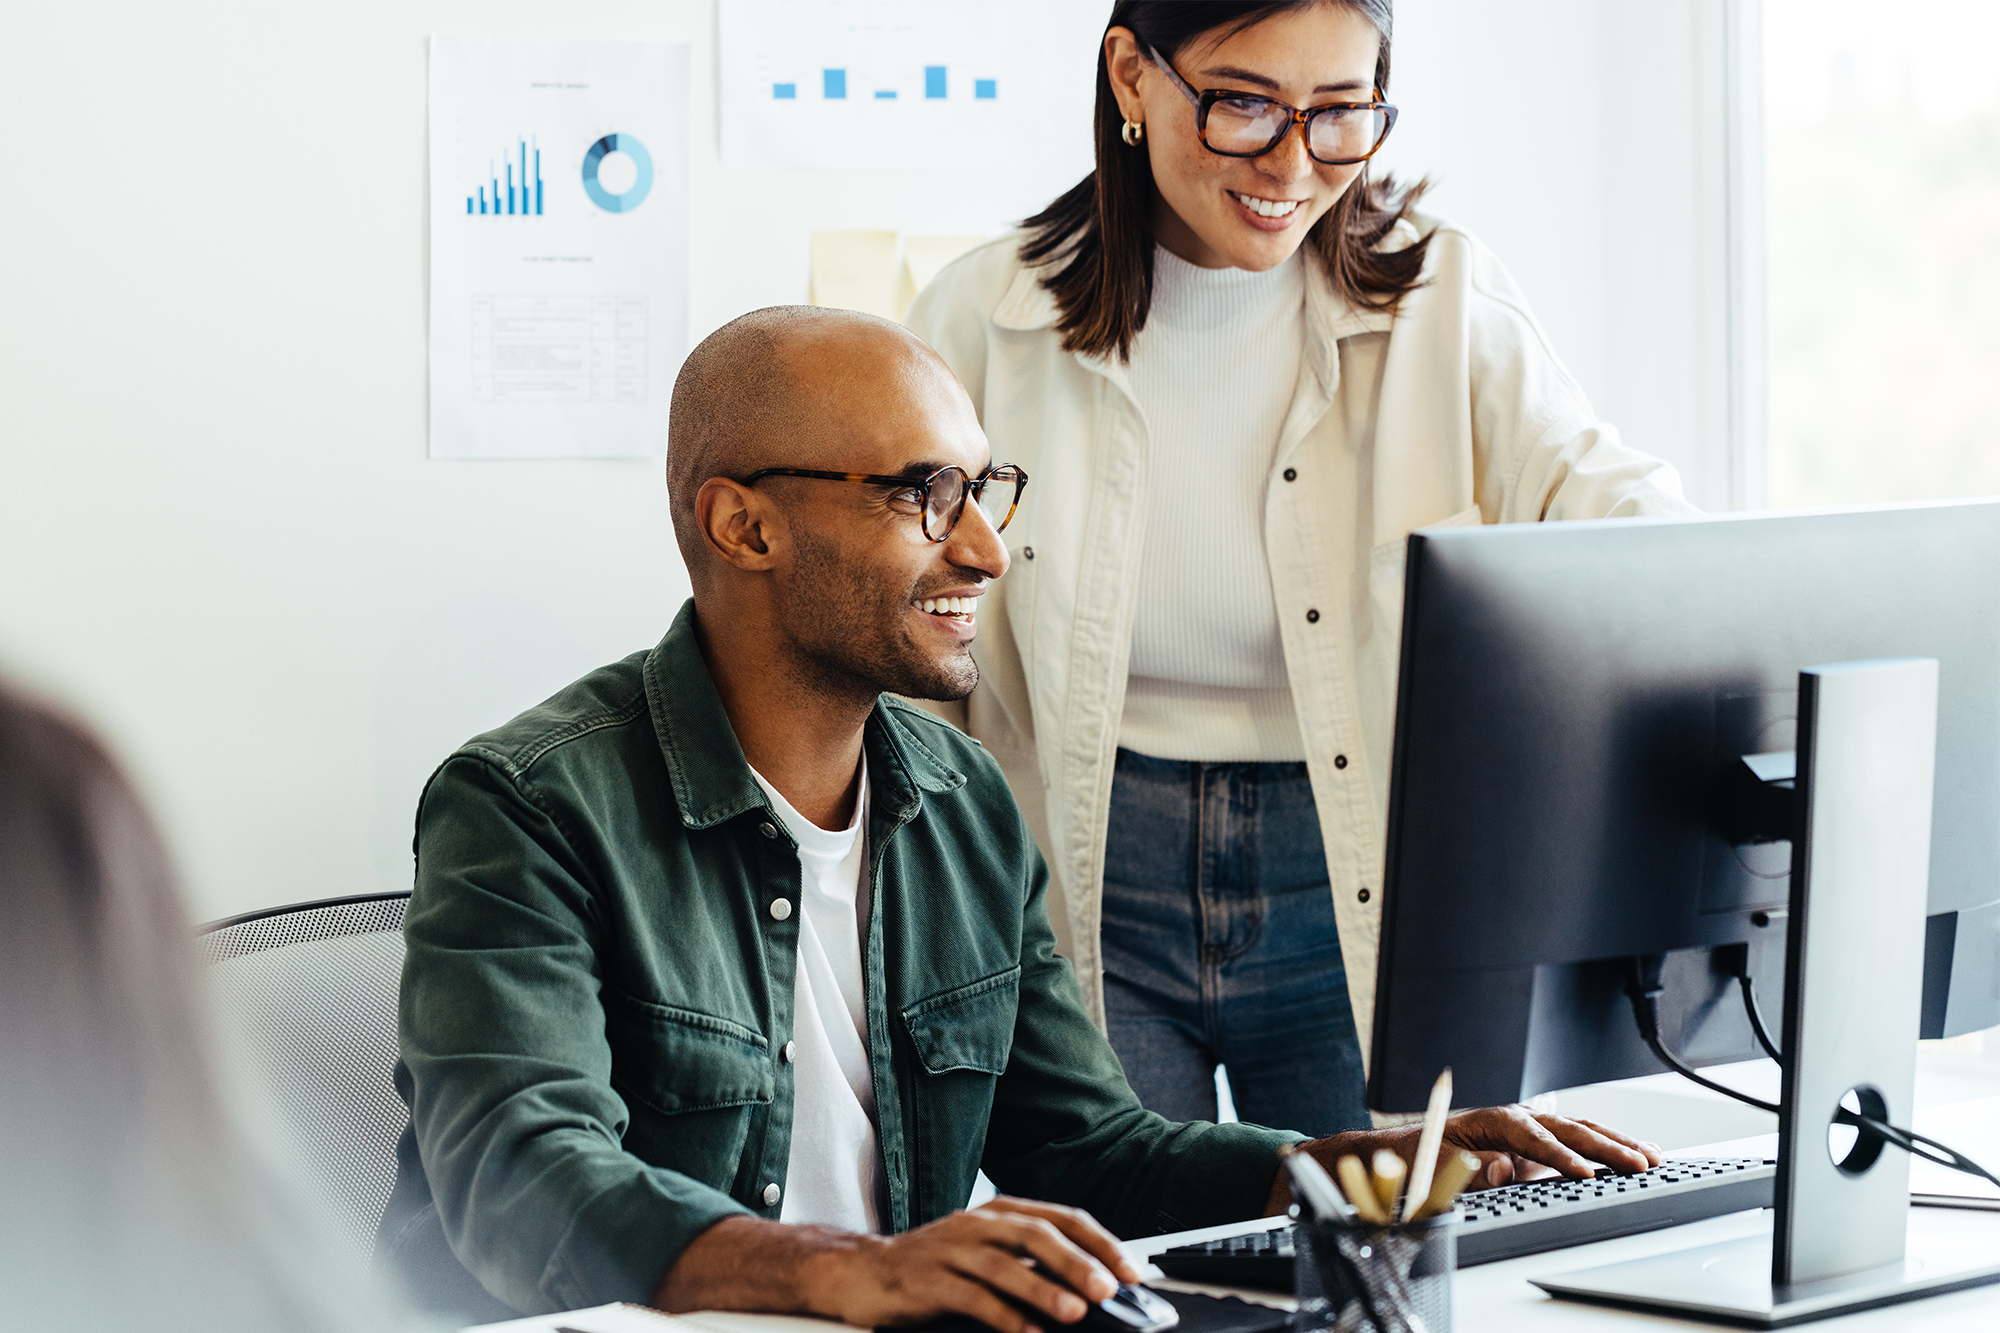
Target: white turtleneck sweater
{"points": [[1214, 372]]}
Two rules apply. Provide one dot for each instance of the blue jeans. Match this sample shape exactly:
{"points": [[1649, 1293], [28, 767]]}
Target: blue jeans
{"points": [[1220, 946]]}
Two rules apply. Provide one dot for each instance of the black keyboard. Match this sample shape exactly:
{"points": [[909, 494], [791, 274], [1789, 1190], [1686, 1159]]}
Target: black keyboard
{"points": [[1517, 1219]]}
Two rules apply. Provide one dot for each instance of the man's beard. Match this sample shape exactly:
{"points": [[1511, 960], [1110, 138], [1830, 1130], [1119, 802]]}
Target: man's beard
{"points": [[852, 633]]}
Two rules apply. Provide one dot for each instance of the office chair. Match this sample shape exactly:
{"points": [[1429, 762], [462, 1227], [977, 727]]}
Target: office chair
{"points": [[308, 995]]}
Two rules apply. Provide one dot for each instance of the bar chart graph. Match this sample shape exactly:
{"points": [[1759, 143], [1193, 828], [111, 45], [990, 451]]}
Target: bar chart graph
{"points": [[513, 185], [864, 84], [936, 81]]}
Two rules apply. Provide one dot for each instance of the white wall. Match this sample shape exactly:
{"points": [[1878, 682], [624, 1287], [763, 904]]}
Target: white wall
{"points": [[220, 538], [1583, 141]]}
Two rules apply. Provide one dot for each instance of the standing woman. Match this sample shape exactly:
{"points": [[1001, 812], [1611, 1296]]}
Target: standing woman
{"points": [[1241, 372]]}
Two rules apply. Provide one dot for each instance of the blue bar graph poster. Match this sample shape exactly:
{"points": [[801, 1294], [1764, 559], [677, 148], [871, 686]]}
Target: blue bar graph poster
{"points": [[523, 195], [882, 84], [559, 245]]}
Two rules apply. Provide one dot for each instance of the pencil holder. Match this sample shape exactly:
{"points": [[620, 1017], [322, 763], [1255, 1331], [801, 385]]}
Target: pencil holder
{"points": [[1364, 1279]]}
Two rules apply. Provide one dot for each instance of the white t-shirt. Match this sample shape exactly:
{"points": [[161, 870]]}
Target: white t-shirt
{"points": [[835, 1175]]}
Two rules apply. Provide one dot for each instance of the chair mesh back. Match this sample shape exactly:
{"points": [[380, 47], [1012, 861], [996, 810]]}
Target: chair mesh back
{"points": [[309, 996]]}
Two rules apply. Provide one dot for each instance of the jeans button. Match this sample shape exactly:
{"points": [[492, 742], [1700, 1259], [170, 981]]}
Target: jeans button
{"points": [[781, 909], [768, 829], [772, 1194], [791, 1051]]}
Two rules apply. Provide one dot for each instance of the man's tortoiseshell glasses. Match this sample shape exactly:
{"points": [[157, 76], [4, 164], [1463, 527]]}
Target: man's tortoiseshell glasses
{"points": [[938, 499]]}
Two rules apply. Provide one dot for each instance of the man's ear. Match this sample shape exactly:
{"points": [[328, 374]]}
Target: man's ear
{"points": [[739, 523]]}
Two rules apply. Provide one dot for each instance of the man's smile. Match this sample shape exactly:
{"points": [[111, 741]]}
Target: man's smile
{"points": [[956, 617], [962, 608]]}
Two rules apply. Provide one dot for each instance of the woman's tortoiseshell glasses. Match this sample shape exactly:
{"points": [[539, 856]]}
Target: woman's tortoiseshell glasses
{"points": [[1238, 124]]}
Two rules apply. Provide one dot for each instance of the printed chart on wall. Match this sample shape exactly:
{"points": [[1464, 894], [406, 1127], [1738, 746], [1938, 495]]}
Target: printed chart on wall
{"points": [[558, 245], [881, 84]]}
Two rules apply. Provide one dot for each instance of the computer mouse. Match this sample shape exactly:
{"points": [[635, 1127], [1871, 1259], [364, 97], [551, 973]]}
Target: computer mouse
{"points": [[1134, 1309]]}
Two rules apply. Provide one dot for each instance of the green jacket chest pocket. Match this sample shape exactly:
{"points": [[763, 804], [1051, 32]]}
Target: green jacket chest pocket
{"points": [[961, 1039], [694, 1083]]}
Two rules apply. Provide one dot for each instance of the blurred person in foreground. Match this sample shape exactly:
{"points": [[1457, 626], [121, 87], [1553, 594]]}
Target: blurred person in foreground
{"points": [[728, 970], [130, 1195]]}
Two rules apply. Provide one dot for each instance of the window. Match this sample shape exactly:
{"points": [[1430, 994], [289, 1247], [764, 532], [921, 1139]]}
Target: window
{"points": [[1882, 162]]}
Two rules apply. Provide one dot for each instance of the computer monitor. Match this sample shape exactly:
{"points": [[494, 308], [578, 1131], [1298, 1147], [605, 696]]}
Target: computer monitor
{"points": [[1573, 702]]}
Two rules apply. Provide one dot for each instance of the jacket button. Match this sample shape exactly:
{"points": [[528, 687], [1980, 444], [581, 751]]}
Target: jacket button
{"points": [[791, 1052], [1291, 474], [768, 829], [1340, 761], [1312, 617], [781, 909], [1027, 553], [1363, 895], [772, 1194]]}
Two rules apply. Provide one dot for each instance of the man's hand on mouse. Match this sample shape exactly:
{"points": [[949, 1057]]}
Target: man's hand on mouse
{"points": [[1511, 1142], [961, 1264]]}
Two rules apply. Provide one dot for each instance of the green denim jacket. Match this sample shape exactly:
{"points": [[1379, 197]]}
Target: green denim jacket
{"points": [[597, 992]]}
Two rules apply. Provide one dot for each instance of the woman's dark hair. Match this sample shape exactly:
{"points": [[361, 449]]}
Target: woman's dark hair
{"points": [[1097, 238], [132, 1197]]}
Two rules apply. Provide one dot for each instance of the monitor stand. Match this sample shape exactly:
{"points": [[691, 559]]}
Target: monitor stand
{"points": [[1841, 1239]]}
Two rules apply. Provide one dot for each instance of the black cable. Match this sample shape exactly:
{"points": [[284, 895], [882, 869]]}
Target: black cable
{"points": [[1643, 987], [1667, 1059], [1757, 1019], [1911, 1142], [1915, 1144]]}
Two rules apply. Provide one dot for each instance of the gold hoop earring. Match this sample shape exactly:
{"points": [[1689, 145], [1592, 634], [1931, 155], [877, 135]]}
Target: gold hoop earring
{"points": [[1133, 132]]}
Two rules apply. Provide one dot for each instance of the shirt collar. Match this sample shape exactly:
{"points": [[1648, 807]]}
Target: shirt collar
{"points": [[710, 776], [1027, 304]]}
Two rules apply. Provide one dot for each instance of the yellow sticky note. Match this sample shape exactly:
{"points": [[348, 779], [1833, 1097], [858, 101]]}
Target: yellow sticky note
{"points": [[924, 257], [855, 270]]}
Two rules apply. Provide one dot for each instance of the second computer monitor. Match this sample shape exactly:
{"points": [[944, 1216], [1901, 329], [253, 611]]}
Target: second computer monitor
{"points": [[1573, 702]]}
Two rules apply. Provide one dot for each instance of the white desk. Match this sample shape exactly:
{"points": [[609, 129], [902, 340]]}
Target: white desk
{"points": [[1497, 1298]]}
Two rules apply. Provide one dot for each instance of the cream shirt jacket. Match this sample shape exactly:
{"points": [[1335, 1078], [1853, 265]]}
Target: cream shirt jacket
{"points": [[1453, 410]]}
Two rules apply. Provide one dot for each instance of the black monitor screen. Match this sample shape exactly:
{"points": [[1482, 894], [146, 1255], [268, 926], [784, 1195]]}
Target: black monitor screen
{"points": [[1573, 698]]}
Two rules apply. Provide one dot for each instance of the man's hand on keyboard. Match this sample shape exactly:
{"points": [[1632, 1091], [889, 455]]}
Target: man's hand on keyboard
{"points": [[1512, 1143]]}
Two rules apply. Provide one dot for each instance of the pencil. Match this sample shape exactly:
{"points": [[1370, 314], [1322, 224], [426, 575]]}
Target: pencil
{"points": [[1454, 1172], [1390, 1171], [1360, 1190], [1429, 1144], [1314, 1188]]}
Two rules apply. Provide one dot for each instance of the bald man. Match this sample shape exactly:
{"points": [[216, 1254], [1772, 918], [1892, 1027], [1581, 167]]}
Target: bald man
{"points": [[727, 972]]}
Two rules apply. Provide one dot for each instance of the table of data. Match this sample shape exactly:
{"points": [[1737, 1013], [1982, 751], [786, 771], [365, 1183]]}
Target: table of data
{"points": [[558, 349]]}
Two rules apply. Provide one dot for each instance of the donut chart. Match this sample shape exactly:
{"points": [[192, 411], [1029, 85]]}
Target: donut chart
{"points": [[603, 148]]}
